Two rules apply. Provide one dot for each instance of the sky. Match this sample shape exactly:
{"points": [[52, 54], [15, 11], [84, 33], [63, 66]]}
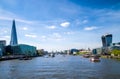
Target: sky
{"points": [[60, 24]]}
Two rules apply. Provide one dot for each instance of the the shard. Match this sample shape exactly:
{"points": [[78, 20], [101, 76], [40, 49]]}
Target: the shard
{"points": [[13, 40]]}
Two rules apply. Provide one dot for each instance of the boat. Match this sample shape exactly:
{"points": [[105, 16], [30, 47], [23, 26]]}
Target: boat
{"points": [[52, 55], [25, 58], [95, 59], [86, 55]]}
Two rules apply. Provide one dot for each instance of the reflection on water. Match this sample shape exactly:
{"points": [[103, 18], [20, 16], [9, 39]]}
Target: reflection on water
{"points": [[59, 67]]}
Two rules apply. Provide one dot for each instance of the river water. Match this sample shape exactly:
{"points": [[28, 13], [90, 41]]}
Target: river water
{"points": [[60, 67]]}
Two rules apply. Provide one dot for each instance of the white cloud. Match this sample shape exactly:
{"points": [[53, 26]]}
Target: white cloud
{"points": [[90, 28], [24, 28], [24, 21], [77, 21], [85, 21], [5, 18], [4, 37], [43, 37], [65, 24], [9, 16], [31, 35], [57, 35], [80, 22], [69, 33], [16, 19], [51, 27], [5, 31]]}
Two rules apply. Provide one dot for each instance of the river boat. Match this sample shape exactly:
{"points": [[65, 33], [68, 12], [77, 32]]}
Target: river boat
{"points": [[25, 58], [53, 55], [95, 59], [86, 55]]}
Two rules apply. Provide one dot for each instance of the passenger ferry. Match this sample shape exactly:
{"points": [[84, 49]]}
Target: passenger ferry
{"points": [[95, 58]]}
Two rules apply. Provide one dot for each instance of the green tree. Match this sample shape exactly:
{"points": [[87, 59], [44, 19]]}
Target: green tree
{"points": [[115, 52]]}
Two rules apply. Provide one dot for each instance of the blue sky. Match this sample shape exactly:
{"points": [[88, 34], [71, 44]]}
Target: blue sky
{"points": [[60, 24]]}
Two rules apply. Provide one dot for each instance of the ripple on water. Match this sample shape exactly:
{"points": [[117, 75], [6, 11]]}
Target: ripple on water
{"points": [[60, 67]]}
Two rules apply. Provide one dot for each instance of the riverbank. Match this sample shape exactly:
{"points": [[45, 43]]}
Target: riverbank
{"points": [[111, 57], [11, 57]]}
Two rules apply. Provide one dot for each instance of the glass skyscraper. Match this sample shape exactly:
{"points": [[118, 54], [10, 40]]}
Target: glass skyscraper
{"points": [[13, 40], [2, 47], [106, 40]]}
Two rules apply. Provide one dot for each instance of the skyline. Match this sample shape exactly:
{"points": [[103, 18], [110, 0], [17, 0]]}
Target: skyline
{"points": [[60, 24]]}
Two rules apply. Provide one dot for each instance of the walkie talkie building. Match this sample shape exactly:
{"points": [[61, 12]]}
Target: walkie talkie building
{"points": [[107, 40]]}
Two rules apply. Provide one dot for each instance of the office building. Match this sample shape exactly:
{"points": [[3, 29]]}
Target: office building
{"points": [[97, 51], [13, 40], [23, 49], [115, 46], [2, 47], [106, 40]]}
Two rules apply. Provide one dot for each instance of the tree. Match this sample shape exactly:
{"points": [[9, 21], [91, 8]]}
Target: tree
{"points": [[116, 52]]}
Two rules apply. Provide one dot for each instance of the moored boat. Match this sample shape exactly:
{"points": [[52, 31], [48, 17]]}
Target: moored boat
{"points": [[86, 55], [25, 58], [95, 59]]}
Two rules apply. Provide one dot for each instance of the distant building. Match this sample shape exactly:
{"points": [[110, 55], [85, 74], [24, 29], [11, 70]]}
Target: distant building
{"points": [[115, 46], [72, 51], [67, 52], [106, 40], [97, 51], [41, 52], [106, 43], [13, 40], [9, 50], [2, 47], [1, 54], [22, 49], [84, 50]]}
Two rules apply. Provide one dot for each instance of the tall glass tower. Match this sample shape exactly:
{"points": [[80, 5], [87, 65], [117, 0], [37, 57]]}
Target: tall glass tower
{"points": [[13, 40], [106, 40]]}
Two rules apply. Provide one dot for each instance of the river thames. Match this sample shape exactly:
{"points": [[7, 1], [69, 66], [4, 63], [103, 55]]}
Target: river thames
{"points": [[60, 67]]}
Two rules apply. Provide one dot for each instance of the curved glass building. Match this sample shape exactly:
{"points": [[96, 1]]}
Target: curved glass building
{"points": [[106, 40]]}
